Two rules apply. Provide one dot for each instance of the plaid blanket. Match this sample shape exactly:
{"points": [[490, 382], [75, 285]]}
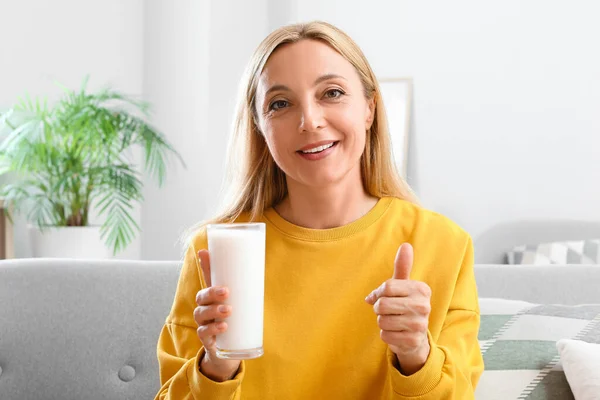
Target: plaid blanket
{"points": [[518, 342]]}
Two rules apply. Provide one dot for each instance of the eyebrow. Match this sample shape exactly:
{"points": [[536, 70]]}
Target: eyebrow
{"points": [[320, 79]]}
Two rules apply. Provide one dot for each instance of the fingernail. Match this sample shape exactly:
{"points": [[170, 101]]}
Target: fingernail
{"points": [[220, 291], [223, 309]]}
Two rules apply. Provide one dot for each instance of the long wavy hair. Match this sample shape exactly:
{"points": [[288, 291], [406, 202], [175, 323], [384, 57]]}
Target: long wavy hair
{"points": [[253, 181]]}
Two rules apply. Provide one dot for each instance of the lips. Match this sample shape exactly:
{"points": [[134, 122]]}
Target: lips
{"points": [[317, 147], [315, 152]]}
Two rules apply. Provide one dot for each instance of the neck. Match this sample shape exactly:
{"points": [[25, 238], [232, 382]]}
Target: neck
{"points": [[324, 208]]}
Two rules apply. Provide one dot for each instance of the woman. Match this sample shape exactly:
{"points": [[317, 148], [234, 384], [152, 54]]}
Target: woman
{"points": [[351, 311]]}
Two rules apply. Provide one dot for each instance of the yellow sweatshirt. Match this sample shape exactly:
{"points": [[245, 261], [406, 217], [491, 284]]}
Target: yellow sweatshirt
{"points": [[321, 339]]}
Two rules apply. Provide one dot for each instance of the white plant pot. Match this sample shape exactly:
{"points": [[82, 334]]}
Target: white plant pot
{"points": [[68, 242]]}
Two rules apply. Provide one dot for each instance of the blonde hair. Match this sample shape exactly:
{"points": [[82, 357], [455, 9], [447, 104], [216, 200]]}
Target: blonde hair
{"points": [[253, 180]]}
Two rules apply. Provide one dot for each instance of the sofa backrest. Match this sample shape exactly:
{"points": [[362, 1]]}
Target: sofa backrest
{"points": [[548, 284], [491, 246], [76, 329], [82, 329]]}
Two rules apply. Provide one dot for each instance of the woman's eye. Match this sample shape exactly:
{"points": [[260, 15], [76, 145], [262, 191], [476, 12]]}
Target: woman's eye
{"points": [[333, 93], [278, 104]]}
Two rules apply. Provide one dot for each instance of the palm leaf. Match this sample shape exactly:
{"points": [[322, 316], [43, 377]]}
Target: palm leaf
{"points": [[121, 187]]}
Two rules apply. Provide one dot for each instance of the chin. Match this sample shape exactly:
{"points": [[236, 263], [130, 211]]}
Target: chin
{"points": [[322, 180], [325, 175]]}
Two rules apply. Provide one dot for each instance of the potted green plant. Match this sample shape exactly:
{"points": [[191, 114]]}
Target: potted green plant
{"points": [[76, 157]]}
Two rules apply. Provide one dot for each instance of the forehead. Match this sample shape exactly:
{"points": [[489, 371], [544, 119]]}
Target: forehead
{"points": [[301, 63]]}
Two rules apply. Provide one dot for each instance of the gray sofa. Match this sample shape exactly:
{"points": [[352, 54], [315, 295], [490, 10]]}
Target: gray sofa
{"points": [[74, 329]]}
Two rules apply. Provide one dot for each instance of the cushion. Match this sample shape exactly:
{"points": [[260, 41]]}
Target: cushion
{"points": [[518, 342], [581, 362], [565, 252]]}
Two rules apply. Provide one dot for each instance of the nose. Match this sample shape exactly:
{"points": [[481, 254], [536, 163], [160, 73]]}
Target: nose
{"points": [[311, 117]]}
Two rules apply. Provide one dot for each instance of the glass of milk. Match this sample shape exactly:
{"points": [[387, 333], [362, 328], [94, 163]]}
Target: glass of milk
{"points": [[237, 260]]}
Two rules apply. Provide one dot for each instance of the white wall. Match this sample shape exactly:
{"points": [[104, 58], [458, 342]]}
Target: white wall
{"points": [[63, 40], [195, 53], [506, 121], [176, 50]]}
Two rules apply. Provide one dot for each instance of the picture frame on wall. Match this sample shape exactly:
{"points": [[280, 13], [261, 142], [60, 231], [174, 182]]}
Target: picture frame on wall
{"points": [[397, 96]]}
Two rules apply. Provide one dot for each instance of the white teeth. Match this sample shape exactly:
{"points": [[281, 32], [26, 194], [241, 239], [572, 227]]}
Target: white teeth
{"points": [[318, 149]]}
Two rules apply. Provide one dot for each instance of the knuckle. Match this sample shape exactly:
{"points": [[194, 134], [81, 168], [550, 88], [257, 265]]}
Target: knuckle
{"points": [[427, 309], [197, 312], [205, 313], [425, 289], [380, 305], [203, 297], [207, 331], [422, 308], [388, 337], [377, 306], [415, 325], [201, 331], [388, 288], [408, 325]]}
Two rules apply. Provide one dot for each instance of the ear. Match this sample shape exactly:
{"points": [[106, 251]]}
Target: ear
{"points": [[370, 113]]}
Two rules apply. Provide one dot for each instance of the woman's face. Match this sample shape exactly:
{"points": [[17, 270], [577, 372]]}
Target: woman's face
{"points": [[313, 113]]}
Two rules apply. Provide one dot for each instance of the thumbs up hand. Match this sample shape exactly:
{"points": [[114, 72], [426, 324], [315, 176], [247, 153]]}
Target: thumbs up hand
{"points": [[402, 307]]}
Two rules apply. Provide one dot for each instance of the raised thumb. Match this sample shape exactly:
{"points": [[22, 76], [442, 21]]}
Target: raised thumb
{"points": [[404, 261]]}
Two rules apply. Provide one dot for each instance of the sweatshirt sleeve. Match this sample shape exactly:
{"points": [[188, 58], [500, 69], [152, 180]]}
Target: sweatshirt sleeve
{"points": [[179, 349], [455, 363]]}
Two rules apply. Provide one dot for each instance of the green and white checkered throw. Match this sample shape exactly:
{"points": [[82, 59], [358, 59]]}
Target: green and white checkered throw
{"points": [[518, 342]]}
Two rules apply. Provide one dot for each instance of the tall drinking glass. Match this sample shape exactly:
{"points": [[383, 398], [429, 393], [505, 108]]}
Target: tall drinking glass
{"points": [[237, 260]]}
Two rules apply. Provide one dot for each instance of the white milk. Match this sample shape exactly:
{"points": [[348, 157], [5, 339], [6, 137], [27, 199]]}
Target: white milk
{"points": [[237, 260]]}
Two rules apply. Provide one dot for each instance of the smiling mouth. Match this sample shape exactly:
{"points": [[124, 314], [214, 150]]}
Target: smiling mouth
{"points": [[318, 149]]}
